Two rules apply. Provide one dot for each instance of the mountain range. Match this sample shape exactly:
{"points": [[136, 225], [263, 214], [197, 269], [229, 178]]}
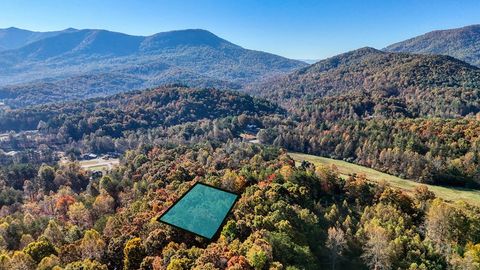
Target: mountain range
{"points": [[14, 38], [45, 67], [462, 43], [48, 65]]}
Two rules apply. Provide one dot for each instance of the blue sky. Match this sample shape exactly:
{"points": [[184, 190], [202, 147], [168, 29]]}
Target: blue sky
{"points": [[297, 29]]}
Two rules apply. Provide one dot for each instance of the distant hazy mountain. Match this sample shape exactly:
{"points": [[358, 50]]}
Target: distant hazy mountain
{"points": [[14, 38], [462, 43], [371, 82], [308, 61], [193, 57]]}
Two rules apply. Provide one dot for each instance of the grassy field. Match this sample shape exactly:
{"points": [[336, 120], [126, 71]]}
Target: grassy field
{"points": [[99, 164], [97, 168], [346, 168]]}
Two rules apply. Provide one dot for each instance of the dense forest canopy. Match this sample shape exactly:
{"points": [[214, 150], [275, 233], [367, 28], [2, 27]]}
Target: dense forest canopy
{"points": [[286, 218], [164, 106], [461, 43], [102, 85], [413, 116], [383, 83], [438, 151]]}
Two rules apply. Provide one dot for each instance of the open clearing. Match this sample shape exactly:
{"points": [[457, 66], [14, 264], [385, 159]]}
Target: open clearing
{"points": [[99, 164], [345, 169]]}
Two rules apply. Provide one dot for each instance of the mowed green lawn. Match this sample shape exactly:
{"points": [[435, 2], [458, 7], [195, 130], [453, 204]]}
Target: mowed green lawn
{"points": [[97, 168], [345, 169]]}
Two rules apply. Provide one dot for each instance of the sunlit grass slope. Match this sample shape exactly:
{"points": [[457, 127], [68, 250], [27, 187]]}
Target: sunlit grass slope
{"points": [[345, 169]]}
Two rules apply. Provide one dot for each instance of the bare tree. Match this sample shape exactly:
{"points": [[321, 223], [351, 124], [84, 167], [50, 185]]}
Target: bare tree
{"points": [[336, 243], [376, 250]]}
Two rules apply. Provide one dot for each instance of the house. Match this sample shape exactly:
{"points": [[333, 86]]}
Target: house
{"points": [[89, 156]]}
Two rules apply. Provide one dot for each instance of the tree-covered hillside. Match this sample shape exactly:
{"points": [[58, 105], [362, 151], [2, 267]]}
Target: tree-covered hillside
{"points": [[437, 151], [413, 116], [369, 82], [103, 85], [286, 218], [164, 106], [461, 43], [52, 66]]}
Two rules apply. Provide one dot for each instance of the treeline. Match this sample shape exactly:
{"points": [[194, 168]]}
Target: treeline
{"points": [[43, 147], [286, 218], [437, 151], [383, 104]]}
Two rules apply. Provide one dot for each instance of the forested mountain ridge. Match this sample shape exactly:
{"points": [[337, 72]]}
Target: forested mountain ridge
{"points": [[195, 57], [163, 106], [104, 84], [405, 114], [103, 43], [462, 43], [14, 38], [371, 82]]}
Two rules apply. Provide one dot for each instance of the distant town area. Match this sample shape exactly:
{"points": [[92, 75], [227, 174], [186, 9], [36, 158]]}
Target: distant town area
{"points": [[18, 145]]}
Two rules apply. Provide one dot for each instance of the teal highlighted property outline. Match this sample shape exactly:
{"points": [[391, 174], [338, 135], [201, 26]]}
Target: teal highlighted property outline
{"points": [[201, 210]]}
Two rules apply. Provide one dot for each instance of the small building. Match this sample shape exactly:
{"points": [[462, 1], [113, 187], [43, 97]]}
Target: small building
{"points": [[11, 153], [89, 156], [248, 137]]}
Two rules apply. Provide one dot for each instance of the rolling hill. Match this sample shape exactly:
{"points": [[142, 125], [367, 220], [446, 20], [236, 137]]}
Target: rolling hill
{"points": [[103, 84], [193, 57], [368, 82], [163, 106], [462, 43]]}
